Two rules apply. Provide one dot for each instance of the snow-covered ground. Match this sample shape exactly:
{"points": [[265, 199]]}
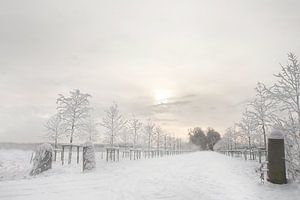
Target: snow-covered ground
{"points": [[14, 164], [199, 175]]}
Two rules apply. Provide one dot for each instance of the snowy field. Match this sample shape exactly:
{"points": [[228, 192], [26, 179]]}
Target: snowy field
{"points": [[199, 175]]}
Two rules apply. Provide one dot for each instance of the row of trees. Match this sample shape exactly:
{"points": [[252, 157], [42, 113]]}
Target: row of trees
{"points": [[204, 140], [74, 119], [273, 107]]}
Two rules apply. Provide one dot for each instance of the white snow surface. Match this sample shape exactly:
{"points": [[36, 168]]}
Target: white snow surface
{"points": [[198, 175], [276, 134]]}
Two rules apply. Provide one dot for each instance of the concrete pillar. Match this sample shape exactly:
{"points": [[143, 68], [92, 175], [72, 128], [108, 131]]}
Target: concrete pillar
{"points": [[276, 158]]}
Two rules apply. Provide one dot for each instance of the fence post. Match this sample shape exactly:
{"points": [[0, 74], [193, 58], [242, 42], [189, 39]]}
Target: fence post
{"points": [[77, 154], [63, 155], [259, 156]]}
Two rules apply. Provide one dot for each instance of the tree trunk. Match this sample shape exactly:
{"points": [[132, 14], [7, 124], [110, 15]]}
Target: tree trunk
{"points": [[55, 148], [71, 142], [135, 138], [158, 142], [249, 140], [298, 108], [125, 143], [149, 142], [112, 139], [265, 138]]}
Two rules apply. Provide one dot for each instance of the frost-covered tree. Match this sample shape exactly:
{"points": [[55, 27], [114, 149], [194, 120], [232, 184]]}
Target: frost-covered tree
{"points": [[125, 137], [91, 129], [228, 138], [231, 139], [158, 136], [286, 93], [55, 130], [237, 136], [135, 126], [179, 144], [173, 142], [212, 137], [74, 110], [165, 136], [248, 125], [263, 108], [198, 138], [287, 89], [113, 122], [149, 131]]}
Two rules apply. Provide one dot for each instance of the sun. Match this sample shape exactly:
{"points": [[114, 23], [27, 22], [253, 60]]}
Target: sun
{"points": [[162, 96]]}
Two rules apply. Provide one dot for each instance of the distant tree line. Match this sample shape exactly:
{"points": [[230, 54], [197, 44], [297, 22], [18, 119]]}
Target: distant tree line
{"points": [[204, 140]]}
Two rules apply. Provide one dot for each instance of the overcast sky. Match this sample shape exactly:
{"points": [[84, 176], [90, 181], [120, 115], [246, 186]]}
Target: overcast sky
{"points": [[181, 63]]}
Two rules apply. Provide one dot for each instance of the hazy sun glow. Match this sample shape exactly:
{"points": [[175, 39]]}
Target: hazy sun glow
{"points": [[162, 96]]}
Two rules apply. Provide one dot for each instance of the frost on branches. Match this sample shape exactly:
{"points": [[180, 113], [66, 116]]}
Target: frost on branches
{"points": [[113, 122], [89, 161], [263, 109], [135, 125], [248, 127], [149, 130], [287, 93], [42, 160], [276, 107], [55, 130], [74, 111]]}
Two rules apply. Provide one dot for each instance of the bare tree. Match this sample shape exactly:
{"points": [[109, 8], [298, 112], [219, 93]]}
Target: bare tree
{"points": [[149, 130], [263, 109], [158, 134], [55, 130], [125, 136], [169, 142], [232, 139], [174, 142], [165, 142], [135, 125], [248, 126], [74, 110], [228, 138], [237, 136], [113, 122], [91, 129]]}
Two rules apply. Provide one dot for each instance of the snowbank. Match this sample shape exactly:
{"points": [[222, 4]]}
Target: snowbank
{"points": [[89, 160], [42, 160]]}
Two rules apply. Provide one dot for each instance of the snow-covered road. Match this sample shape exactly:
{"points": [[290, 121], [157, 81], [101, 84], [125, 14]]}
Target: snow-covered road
{"points": [[199, 176]]}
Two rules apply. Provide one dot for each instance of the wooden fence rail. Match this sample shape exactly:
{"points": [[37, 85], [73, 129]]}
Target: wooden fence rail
{"points": [[258, 154]]}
